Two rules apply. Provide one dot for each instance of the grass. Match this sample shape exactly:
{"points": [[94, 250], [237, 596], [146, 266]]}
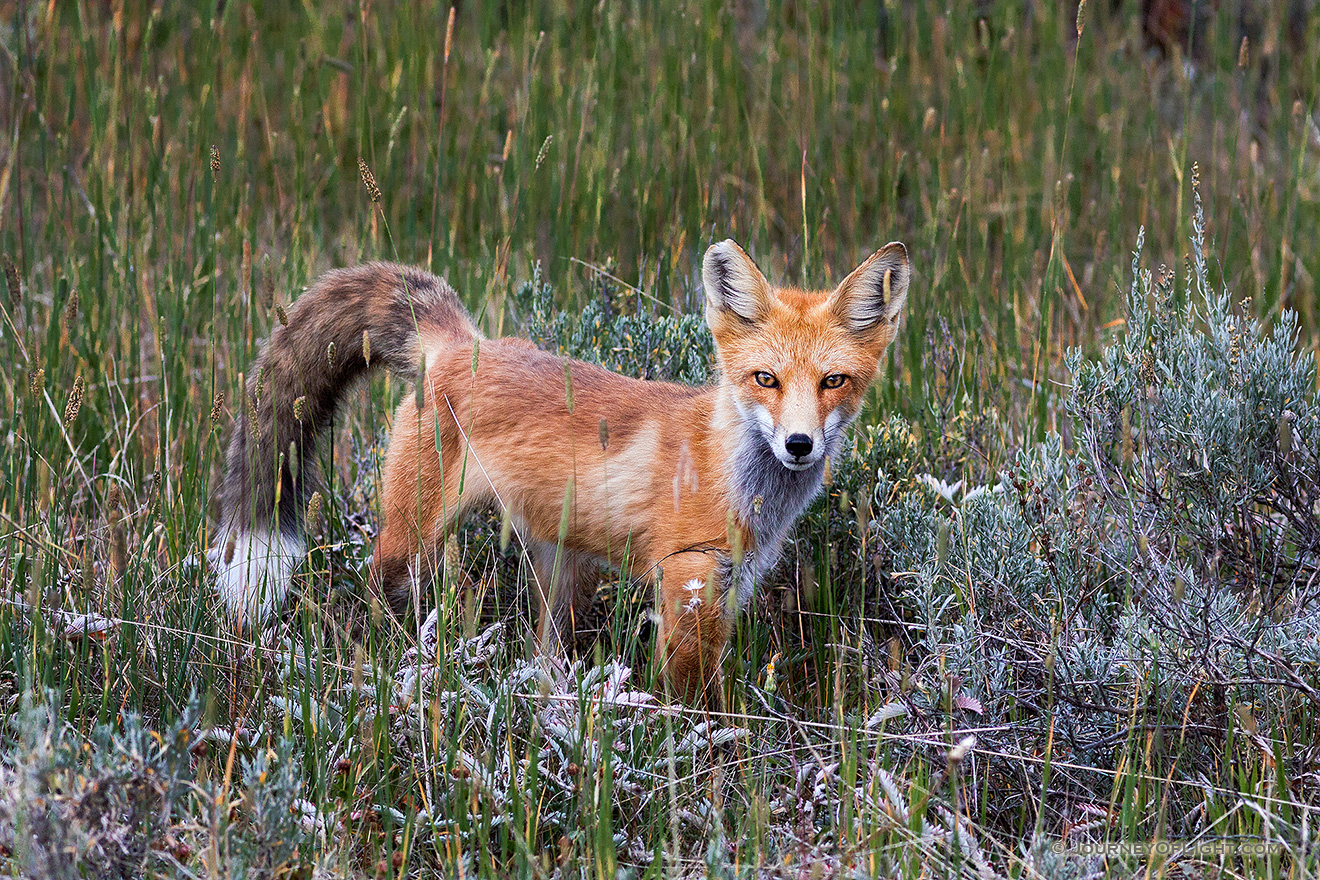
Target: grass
{"points": [[174, 173]]}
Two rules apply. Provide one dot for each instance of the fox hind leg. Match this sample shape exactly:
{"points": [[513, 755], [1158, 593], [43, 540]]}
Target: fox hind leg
{"points": [[420, 503], [564, 594]]}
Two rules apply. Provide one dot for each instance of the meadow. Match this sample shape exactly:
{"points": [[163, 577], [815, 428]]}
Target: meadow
{"points": [[1062, 591]]}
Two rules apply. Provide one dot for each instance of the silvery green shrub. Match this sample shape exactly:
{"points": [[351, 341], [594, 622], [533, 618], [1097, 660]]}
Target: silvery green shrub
{"points": [[103, 805], [123, 799], [1201, 425]]}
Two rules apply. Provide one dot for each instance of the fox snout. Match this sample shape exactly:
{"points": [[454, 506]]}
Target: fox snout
{"points": [[798, 449], [798, 445]]}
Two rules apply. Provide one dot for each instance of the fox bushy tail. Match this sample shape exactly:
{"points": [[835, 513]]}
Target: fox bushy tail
{"points": [[350, 322]]}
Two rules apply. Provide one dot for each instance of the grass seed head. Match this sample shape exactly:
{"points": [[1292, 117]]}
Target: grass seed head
{"points": [[217, 407], [451, 570], [70, 314], [114, 500], [449, 34], [313, 508], [36, 381], [359, 659], [279, 484], [282, 316], [11, 279], [366, 347], [75, 401], [735, 534], [87, 566], [330, 355], [114, 510], [215, 161], [368, 180], [506, 528]]}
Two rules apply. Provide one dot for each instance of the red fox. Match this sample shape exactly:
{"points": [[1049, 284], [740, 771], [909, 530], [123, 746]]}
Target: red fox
{"points": [[701, 484]]}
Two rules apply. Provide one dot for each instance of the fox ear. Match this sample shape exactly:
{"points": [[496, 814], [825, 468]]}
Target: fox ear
{"points": [[733, 283], [874, 293]]}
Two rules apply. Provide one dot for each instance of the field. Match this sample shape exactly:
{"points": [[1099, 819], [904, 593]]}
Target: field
{"points": [[1063, 590]]}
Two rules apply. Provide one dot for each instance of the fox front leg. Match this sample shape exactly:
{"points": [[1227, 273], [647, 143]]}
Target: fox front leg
{"points": [[695, 621]]}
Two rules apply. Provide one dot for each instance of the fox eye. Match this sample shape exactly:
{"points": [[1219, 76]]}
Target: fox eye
{"points": [[833, 380], [765, 380]]}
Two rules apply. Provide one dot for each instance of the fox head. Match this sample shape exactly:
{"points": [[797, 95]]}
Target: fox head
{"points": [[795, 362]]}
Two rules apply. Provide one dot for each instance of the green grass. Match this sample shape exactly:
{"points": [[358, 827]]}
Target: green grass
{"points": [[1016, 160]]}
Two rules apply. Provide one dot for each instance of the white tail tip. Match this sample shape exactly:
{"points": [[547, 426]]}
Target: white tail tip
{"points": [[253, 570]]}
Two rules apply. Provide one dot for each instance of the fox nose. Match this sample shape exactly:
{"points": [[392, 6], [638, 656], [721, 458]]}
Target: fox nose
{"points": [[798, 445]]}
